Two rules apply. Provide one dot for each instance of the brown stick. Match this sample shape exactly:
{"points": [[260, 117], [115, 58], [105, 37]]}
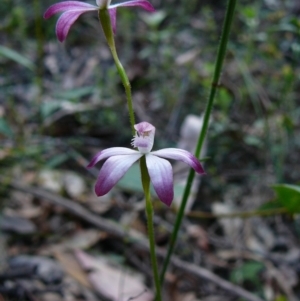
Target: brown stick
{"points": [[116, 230]]}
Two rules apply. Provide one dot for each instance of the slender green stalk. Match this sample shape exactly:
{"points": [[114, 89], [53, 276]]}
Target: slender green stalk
{"points": [[108, 32], [218, 67], [149, 212]]}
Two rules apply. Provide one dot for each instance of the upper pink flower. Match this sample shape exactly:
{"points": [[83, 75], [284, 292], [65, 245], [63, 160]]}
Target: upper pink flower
{"points": [[120, 159], [73, 9]]}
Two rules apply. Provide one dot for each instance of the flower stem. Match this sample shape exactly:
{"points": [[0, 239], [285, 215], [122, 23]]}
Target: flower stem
{"points": [[108, 32], [218, 67], [149, 213]]}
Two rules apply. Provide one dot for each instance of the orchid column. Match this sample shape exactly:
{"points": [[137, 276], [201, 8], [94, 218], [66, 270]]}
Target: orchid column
{"points": [[108, 16]]}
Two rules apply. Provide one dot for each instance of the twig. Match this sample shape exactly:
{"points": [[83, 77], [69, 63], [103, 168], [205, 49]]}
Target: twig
{"points": [[24, 272], [116, 230], [208, 275], [242, 214]]}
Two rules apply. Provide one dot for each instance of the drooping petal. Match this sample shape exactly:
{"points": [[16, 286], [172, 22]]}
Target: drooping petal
{"points": [[109, 152], [180, 155], [142, 3], [64, 23], [67, 6], [161, 175], [113, 19], [113, 170]]}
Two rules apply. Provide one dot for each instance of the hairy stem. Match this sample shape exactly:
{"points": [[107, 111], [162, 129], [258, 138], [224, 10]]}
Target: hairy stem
{"points": [[108, 32], [149, 213]]}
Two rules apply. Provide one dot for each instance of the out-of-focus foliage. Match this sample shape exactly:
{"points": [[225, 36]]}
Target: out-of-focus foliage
{"points": [[288, 196], [248, 271], [60, 103]]}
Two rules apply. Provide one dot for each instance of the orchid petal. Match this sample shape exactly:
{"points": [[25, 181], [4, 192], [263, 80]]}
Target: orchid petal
{"points": [[109, 152], [64, 23], [142, 3], [67, 6], [113, 170], [161, 175], [113, 18], [180, 155]]}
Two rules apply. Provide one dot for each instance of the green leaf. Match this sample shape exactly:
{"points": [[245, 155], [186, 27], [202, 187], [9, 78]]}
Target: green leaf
{"points": [[5, 128], [155, 19], [15, 56], [57, 161], [247, 271], [132, 182], [253, 141], [274, 204], [75, 93], [48, 108], [223, 100], [288, 196]]}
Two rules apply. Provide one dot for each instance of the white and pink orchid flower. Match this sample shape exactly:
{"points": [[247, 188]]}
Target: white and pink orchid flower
{"points": [[120, 159], [73, 9]]}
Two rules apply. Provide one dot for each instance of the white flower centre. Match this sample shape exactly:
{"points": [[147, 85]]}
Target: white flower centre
{"points": [[103, 3], [143, 141]]}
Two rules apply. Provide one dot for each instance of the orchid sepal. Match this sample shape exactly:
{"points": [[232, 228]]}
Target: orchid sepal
{"points": [[161, 175], [112, 171], [180, 155], [110, 152]]}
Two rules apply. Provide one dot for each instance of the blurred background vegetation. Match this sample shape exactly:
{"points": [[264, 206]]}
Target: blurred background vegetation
{"points": [[60, 103], [70, 93]]}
